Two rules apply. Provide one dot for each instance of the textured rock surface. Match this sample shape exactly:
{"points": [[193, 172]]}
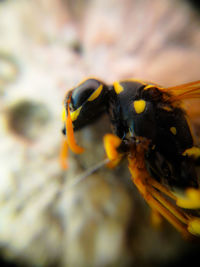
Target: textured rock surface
{"points": [[45, 48]]}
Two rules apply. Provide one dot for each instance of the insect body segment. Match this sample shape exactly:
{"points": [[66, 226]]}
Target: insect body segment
{"points": [[87, 102], [152, 132], [82, 105]]}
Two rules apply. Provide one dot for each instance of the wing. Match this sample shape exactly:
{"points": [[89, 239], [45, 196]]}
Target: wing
{"points": [[184, 91], [189, 95]]}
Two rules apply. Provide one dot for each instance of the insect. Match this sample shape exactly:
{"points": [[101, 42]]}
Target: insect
{"points": [[151, 129]]}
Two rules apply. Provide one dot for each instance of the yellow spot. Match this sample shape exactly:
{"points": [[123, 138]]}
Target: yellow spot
{"points": [[194, 226], [74, 115], [192, 152], [118, 88], [63, 114], [96, 93], [173, 130], [139, 105], [191, 200]]}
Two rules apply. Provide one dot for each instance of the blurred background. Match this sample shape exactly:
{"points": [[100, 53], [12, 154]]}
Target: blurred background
{"points": [[46, 48]]}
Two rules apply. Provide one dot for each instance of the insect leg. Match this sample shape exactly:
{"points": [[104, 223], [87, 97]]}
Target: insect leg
{"points": [[156, 200], [163, 210], [192, 222], [161, 188], [168, 205], [111, 143]]}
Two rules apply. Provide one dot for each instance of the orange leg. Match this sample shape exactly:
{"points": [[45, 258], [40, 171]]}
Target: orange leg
{"points": [[181, 227], [168, 205], [156, 200], [191, 201], [111, 143], [161, 188]]}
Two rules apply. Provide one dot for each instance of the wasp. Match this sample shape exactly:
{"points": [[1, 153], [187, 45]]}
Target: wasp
{"points": [[152, 130]]}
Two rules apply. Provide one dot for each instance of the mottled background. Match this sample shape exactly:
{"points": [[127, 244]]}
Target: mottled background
{"points": [[47, 47]]}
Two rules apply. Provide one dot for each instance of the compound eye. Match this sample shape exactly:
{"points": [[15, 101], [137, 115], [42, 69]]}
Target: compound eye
{"points": [[81, 93]]}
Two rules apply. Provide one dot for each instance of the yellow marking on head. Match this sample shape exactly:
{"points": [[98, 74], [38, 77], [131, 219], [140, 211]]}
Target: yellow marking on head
{"points": [[63, 114], [139, 105], [96, 93], [194, 226], [173, 130], [74, 115], [118, 88], [192, 152]]}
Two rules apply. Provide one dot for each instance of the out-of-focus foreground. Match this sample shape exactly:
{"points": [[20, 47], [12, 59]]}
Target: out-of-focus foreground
{"points": [[47, 47]]}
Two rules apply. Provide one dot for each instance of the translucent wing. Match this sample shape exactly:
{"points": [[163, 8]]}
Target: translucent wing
{"points": [[189, 95], [184, 91]]}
